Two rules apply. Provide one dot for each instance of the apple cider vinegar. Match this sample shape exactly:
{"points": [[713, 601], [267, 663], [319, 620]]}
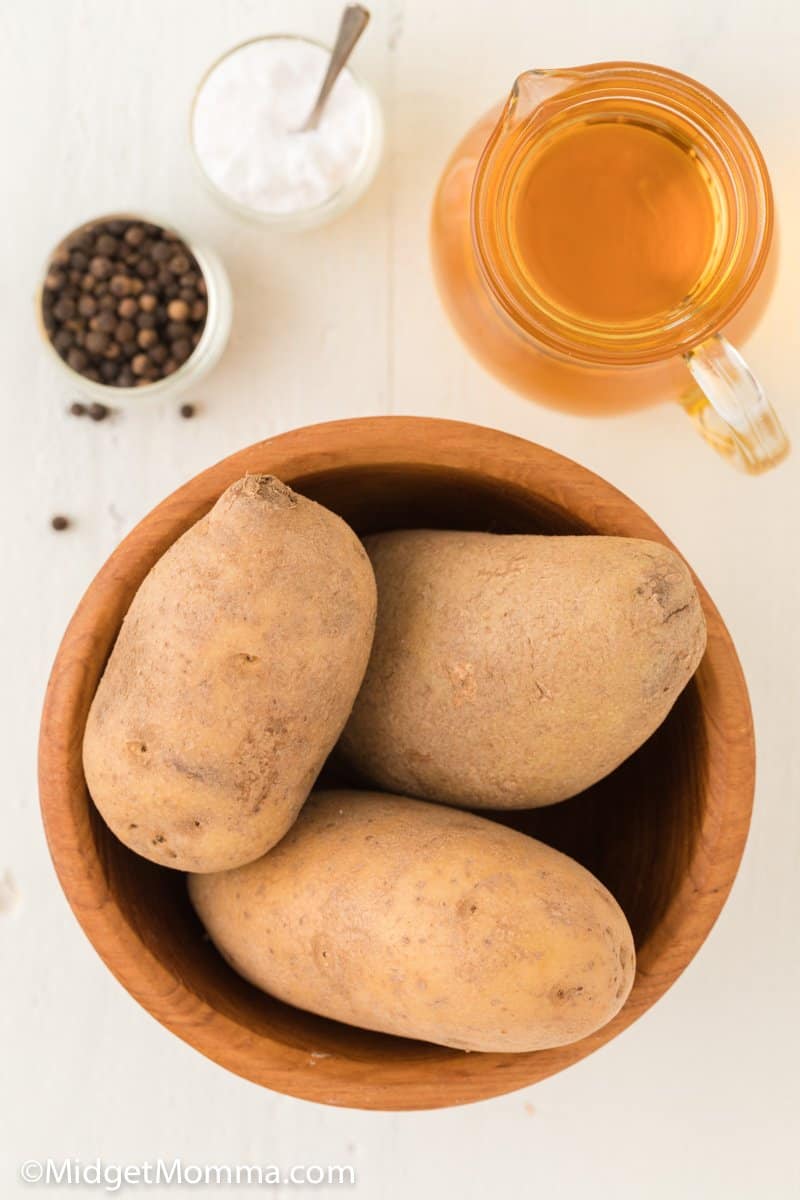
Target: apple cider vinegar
{"points": [[613, 221]]}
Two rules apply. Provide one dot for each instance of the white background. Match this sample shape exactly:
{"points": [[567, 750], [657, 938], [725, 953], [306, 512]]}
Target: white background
{"points": [[699, 1099]]}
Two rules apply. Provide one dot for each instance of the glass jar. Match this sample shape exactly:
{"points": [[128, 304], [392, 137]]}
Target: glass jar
{"points": [[219, 314], [562, 351], [339, 201]]}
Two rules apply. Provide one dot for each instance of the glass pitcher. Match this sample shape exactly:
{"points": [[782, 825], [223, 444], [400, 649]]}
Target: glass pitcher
{"points": [[592, 238]]}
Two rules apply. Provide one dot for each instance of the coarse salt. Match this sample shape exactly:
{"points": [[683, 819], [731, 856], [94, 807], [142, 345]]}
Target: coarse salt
{"points": [[245, 122]]}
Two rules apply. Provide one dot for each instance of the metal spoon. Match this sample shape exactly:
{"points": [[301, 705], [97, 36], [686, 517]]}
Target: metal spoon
{"points": [[353, 23]]}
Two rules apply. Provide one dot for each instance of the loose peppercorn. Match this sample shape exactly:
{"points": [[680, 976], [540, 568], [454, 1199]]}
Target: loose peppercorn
{"points": [[187, 411], [98, 412], [59, 523]]}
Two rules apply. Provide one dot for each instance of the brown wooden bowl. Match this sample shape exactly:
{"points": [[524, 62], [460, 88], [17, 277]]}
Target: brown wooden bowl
{"points": [[665, 832]]}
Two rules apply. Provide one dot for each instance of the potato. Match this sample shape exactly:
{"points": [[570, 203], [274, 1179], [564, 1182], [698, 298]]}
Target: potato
{"points": [[426, 922], [515, 671], [231, 678]]}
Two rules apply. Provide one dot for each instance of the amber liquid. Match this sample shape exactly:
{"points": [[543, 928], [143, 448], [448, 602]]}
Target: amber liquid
{"points": [[613, 222]]}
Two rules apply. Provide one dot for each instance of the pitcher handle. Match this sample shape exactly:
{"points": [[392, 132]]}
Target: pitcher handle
{"points": [[731, 411]]}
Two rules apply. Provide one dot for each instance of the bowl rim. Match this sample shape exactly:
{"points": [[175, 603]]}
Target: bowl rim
{"points": [[443, 1078]]}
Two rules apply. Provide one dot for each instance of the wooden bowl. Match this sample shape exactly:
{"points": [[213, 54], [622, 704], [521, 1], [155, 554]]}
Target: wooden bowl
{"points": [[665, 832]]}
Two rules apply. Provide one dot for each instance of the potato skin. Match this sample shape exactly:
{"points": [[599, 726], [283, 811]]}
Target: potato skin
{"points": [[230, 680], [426, 922], [513, 671]]}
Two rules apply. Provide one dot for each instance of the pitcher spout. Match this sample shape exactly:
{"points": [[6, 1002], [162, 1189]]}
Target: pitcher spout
{"points": [[532, 89]]}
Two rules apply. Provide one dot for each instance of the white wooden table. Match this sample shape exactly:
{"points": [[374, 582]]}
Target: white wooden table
{"points": [[697, 1100]]}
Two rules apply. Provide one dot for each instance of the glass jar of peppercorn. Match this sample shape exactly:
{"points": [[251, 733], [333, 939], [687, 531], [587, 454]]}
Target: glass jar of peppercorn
{"points": [[131, 310]]}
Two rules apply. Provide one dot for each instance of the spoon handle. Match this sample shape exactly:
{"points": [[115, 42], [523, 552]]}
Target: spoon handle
{"points": [[353, 23]]}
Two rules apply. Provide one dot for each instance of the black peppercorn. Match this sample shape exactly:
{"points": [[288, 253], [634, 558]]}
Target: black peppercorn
{"points": [[177, 310], [122, 303], [96, 342], [179, 264], [64, 308], [105, 322], [100, 266], [134, 235], [126, 332], [107, 245], [120, 285]]}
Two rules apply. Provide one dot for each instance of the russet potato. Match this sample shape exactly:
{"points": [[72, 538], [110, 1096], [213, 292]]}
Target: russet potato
{"points": [[512, 671], [231, 678], [423, 921]]}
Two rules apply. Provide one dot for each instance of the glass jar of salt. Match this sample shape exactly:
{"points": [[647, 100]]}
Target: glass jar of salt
{"points": [[246, 133]]}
